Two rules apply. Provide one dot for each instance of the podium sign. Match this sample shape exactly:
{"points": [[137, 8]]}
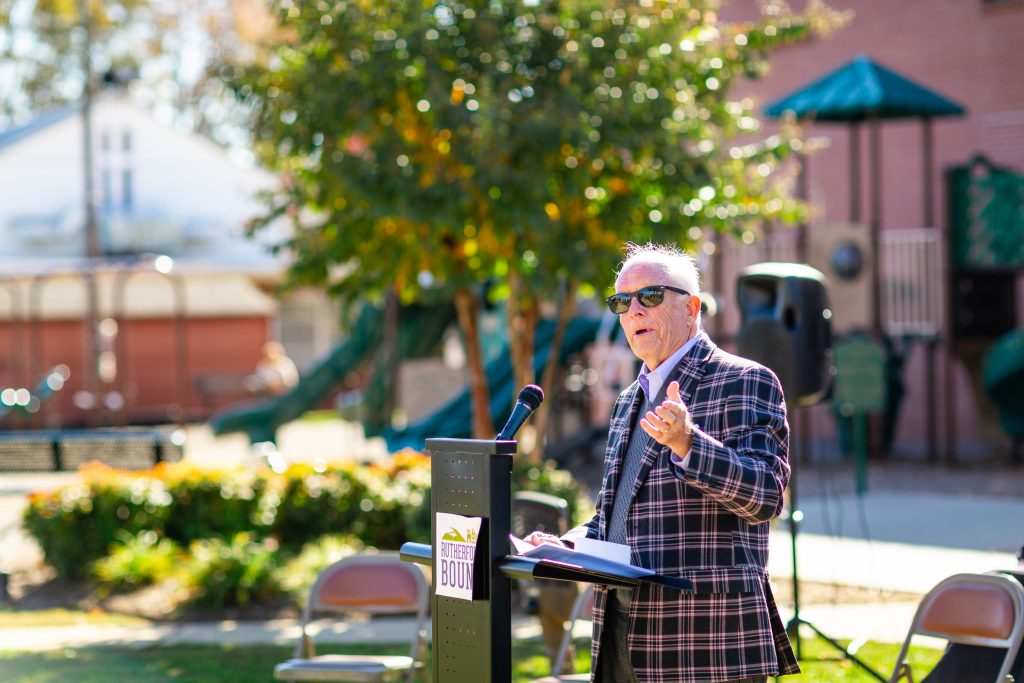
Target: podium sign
{"points": [[472, 639], [456, 539]]}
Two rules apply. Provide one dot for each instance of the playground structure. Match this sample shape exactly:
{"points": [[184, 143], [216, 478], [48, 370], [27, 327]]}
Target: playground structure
{"points": [[987, 254], [93, 389], [259, 420], [35, 437], [1003, 378], [927, 285], [419, 333]]}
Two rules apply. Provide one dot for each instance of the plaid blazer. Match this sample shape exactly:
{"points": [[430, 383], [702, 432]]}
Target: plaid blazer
{"points": [[707, 523]]}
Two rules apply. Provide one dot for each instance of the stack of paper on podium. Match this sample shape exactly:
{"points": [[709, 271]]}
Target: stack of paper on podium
{"points": [[559, 562]]}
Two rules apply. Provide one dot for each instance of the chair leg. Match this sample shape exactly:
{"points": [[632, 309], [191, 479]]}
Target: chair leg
{"points": [[905, 673], [555, 603]]}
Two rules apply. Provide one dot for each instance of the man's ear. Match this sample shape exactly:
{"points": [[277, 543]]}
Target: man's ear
{"points": [[693, 305]]}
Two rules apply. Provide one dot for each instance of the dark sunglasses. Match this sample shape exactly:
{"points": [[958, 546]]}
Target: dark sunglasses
{"points": [[649, 297]]}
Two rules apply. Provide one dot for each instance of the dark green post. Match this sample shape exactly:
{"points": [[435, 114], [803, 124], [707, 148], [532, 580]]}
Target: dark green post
{"points": [[860, 450]]}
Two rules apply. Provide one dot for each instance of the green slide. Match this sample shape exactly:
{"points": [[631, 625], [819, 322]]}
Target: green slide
{"points": [[1003, 378], [454, 420], [420, 331], [260, 418]]}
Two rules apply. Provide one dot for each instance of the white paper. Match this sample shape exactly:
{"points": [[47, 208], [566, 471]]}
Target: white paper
{"points": [[456, 550], [521, 546], [616, 552]]}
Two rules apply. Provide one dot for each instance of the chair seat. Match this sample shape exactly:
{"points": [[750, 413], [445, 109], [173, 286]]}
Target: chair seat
{"points": [[344, 668]]}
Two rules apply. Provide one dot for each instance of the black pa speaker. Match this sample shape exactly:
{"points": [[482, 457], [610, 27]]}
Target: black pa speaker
{"points": [[785, 327]]}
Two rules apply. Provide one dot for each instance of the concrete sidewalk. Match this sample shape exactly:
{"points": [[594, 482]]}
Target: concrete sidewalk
{"points": [[879, 622], [967, 521], [273, 632], [898, 541]]}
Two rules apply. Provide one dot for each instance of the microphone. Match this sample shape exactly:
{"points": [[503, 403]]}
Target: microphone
{"points": [[529, 400]]}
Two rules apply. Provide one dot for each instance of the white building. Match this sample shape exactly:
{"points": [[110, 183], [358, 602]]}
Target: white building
{"points": [[157, 190]]}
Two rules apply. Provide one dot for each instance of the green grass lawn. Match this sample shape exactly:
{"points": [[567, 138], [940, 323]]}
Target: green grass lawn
{"points": [[255, 664]]}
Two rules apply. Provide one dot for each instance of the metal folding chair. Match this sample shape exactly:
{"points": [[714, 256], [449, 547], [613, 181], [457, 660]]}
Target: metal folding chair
{"points": [[368, 584], [581, 609], [535, 511], [981, 617]]}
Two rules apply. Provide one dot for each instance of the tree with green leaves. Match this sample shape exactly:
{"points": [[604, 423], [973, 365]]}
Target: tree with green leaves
{"points": [[452, 143]]}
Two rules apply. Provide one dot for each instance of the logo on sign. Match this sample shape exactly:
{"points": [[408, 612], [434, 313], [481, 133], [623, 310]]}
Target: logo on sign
{"points": [[456, 552]]}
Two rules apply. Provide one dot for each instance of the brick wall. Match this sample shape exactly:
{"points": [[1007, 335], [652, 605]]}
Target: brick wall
{"points": [[149, 375]]}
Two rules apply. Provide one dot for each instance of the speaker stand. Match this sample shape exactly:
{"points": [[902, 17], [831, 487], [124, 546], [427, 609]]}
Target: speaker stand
{"points": [[795, 517]]}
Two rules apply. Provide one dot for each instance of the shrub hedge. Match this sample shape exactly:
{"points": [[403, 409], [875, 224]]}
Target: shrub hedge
{"points": [[233, 572], [379, 505]]}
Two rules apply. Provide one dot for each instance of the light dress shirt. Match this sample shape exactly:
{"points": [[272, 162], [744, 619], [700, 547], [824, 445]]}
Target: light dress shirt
{"points": [[651, 381]]}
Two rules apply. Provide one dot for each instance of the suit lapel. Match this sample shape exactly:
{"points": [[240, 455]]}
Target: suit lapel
{"points": [[691, 368], [619, 435]]}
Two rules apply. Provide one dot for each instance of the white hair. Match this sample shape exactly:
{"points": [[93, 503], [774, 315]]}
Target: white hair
{"points": [[679, 266]]}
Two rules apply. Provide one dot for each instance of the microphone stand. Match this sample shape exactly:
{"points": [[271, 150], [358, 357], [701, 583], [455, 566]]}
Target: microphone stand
{"points": [[795, 517]]}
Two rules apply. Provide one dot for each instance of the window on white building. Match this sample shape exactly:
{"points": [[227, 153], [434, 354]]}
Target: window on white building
{"points": [[106, 189], [126, 189]]}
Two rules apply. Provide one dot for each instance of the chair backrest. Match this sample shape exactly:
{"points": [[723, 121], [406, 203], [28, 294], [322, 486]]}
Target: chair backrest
{"points": [[375, 583], [982, 610], [370, 583], [534, 511]]}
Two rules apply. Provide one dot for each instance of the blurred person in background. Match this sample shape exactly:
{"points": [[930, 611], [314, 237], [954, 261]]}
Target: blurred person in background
{"points": [[275, 372]]}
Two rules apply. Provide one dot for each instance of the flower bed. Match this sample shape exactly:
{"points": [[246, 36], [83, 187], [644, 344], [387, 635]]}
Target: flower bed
{"points": [[225, 535]]}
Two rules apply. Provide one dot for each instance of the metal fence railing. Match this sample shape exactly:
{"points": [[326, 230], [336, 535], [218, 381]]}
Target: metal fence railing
{"points": [[59, 450], [911, 282]]}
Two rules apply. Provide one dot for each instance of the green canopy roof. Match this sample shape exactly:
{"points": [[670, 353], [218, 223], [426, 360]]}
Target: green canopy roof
{"points": [[860, 89]]}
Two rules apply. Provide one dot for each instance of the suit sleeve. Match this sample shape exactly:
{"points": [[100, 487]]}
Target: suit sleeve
{"points": [[590, 528], [748, 469], [585, 530]]}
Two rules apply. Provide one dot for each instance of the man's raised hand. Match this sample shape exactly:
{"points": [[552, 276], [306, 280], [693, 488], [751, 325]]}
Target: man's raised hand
{"points": [[669, 423]]}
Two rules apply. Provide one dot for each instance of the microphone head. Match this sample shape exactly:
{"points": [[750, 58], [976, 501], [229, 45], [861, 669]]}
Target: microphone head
{"points": [[532, 395]]}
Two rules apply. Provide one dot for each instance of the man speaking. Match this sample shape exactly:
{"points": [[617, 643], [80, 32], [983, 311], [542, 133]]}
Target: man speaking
{"points": [[695, 467]]}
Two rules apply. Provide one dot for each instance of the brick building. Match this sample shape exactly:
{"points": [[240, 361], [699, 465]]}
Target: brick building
{"points": [[968, 51]]}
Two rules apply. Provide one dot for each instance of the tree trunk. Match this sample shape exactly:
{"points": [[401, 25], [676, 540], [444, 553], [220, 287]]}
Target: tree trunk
{"points": [[466, 305], [521, 316], [392, 359], [566, 307]]}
